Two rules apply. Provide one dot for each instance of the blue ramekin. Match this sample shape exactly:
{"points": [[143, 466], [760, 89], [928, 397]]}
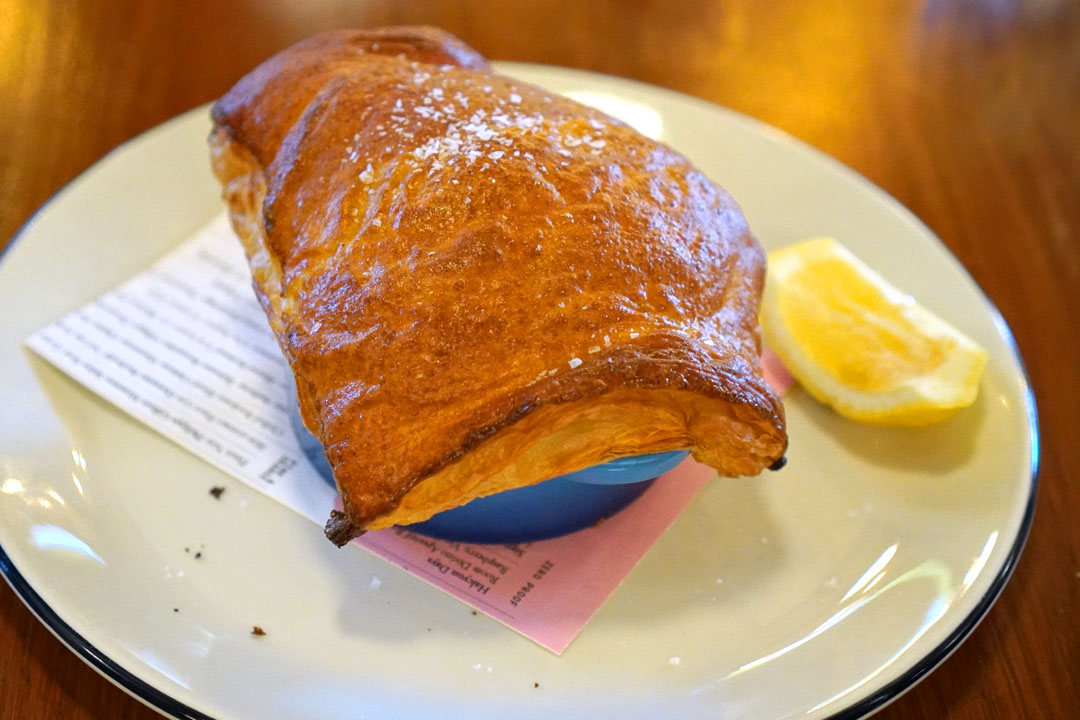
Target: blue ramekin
{"points": [[555, 507]]}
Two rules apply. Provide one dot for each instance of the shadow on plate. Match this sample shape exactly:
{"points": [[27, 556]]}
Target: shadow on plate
{"points": [[934, 450], [727, 534], [718, 536]]}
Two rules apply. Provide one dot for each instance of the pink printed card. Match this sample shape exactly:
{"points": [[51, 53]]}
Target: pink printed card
{"points": [[185, 349], [546, 590]]}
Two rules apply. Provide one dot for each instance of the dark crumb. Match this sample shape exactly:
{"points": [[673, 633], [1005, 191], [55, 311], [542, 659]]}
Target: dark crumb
{"points": [[176, 609], [429, 629], [473, 612], [216, 492], [257, 631], [536, 685], [779, 463], [187, 550], [198, 555]]}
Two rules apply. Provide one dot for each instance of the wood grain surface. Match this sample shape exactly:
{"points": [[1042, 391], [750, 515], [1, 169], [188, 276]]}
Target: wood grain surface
{"points": [[967, 111]]}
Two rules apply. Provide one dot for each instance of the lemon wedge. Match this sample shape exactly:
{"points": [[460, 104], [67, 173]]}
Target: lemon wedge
{"points": [[861, 346]]}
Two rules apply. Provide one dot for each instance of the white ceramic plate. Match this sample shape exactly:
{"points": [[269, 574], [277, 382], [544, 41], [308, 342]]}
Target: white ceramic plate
{"points": [[823, 590]]}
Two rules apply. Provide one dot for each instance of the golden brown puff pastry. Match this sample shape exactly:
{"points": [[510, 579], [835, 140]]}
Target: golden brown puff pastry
{"points": [[480, 285]]}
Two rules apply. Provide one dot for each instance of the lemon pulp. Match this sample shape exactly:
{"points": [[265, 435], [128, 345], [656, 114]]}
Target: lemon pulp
{"points": [[859, 344]]}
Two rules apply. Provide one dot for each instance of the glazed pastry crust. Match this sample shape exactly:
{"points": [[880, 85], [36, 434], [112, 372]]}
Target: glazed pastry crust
{"points": [[480, 285]]}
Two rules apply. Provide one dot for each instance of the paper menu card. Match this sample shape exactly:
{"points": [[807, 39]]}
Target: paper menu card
{"points": [[185, 348]]}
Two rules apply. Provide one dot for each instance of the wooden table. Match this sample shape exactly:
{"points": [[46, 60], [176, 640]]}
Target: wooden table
{"points": [[967, 111]]}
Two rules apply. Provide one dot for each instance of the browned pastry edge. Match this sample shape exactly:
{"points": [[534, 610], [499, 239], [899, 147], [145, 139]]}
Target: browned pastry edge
{"points": [[559, 424]]}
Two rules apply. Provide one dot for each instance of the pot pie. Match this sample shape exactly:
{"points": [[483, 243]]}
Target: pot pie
{"points": [[480, 285]]}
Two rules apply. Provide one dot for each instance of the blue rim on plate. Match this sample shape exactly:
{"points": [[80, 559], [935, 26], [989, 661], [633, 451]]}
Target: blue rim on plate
{"points": [[166, 704]]}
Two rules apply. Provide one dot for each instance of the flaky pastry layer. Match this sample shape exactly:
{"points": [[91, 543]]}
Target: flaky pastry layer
{"points": [[480, 285]]}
